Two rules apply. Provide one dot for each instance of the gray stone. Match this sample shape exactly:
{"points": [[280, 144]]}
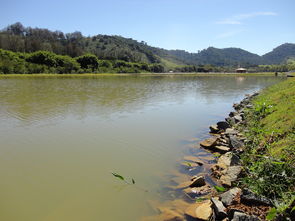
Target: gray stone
{"points": [[229, 159], [231, 114], [223, 125], [238, 118], [209, 142], [214, 129], [219, 209], [231, 175], [200, 211], [221, 149], [228, 197], [235, 142], [198, 181], [231, 131], [239, 216], [250, 198], [230, 120]]}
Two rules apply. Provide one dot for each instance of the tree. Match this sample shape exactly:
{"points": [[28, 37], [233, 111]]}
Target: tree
{"points": [[88, 61]]}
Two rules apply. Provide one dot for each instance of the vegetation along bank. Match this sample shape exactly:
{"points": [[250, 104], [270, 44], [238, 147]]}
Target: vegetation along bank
{"points": [[253, 175]]}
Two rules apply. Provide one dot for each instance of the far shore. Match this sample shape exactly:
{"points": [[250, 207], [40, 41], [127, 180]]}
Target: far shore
{"points": [[144, 74]]}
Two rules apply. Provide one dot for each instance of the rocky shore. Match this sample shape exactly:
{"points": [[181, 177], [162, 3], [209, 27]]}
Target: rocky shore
{"points": [[213, 194]]}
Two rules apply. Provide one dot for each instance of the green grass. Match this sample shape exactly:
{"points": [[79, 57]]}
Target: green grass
{"points": [[270, 154]]}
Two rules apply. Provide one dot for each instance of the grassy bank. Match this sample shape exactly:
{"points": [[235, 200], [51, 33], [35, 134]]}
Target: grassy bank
{"points": [[269, 157]]}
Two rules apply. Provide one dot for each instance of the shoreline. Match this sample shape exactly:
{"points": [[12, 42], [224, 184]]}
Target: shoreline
{"points": [[230, 197], [144, 74]]}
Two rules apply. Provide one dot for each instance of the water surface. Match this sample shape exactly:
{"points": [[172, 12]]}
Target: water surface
{"points": [[61, 138]]}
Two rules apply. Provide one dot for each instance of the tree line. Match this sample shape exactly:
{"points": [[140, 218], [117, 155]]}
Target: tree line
{"points": [[49, 62]]}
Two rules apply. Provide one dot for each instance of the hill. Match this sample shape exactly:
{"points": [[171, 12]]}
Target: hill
{"points": [[18, 38], [280, 54]]}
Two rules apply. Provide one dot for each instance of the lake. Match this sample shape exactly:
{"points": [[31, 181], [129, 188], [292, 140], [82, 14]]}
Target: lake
{"points": [[62, 137]]}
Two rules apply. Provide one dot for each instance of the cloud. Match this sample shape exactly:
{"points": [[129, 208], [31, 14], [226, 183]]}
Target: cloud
{"points": [[229, 34], [237, 19]]}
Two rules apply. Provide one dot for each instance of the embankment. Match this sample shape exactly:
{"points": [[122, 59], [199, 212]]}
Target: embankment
{"points": [[253, 175]]}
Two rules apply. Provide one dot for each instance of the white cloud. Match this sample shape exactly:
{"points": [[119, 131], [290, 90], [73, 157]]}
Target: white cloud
{"points": [[229, 34], [237, 19]]}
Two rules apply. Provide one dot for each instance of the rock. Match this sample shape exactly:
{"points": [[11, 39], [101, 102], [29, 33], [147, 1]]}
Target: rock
{"points": [[214, 129], [197, 181], [219, 209], [209, 142], [230, 175], [228, 159], [194, 159], [228, 197], [230, 120], [238, 118], [235, 143], [231, 114], [239, 216], [223, 125], [200, 211], [221, 149], [231, 131], [250, 198], [195, 192]]}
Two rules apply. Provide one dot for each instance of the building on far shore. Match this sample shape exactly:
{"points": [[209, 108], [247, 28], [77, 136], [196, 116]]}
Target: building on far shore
{"points": [[241, 70]]}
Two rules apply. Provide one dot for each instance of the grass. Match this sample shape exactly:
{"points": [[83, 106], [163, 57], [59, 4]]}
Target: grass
{"points": [[270, 152]]}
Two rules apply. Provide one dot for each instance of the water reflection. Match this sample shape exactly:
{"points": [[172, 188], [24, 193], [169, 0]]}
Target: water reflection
{"points": [[35, 99]]}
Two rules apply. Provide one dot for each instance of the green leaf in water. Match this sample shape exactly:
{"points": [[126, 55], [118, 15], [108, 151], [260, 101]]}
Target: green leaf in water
{"points": [[118, 176], [219, 188], [188, 164], [271, 214], [133, 181]]}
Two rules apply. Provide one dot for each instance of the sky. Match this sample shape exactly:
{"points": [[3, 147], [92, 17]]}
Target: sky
{"points": [[192, 25]]}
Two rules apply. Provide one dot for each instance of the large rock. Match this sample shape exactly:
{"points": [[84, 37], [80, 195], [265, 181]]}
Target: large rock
{"points": [[214, 129], [219, 209], [250, 198], [210, 142], [198, 181], [228, 197], [228, 159], [235, 143], [239, 216], [230, 175], [231, 131], [223, 125], [238, 118], [221, 149], [200, 211]]}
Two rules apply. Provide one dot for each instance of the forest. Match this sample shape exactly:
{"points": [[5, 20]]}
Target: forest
{"points": [[38, 50]]}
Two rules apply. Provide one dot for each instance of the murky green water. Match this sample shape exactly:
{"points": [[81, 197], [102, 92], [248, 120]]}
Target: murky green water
{"points": [[61, 138]]}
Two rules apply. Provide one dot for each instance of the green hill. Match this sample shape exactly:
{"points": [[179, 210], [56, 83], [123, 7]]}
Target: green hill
{"points": [[18, 38]]}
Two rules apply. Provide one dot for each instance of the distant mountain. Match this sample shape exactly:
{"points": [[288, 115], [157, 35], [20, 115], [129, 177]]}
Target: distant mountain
{"points": [[219, 57], [18, 38], [280, 54]]}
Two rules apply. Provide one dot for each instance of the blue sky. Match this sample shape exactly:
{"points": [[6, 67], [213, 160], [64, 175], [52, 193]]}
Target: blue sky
{"points": [[254, 25]]}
